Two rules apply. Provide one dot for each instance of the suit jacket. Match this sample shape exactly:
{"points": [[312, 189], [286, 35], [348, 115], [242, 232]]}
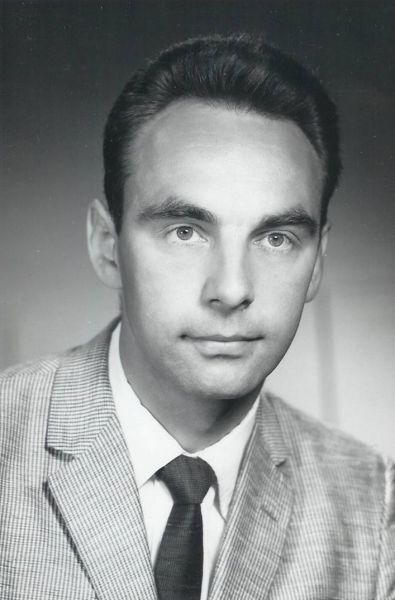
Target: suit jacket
{"points": [[312, 515]]}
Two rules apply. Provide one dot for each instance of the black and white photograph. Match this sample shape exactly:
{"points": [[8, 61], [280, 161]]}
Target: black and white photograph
{"points": [[197, 300]]}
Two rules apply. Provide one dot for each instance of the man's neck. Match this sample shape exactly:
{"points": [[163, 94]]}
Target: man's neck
{"points": [[194, 428], [194, 421]]}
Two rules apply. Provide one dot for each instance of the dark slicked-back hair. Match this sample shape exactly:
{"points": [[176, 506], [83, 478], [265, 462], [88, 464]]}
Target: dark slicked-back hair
{"points": [[238, 72]]}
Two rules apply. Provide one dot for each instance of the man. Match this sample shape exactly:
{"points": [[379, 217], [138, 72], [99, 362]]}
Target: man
{"points": [[220, 159]]}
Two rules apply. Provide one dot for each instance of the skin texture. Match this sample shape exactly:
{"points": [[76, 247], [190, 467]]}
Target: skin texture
{"points": [[219, 250]]}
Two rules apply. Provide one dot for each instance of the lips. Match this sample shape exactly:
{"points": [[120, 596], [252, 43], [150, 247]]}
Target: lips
{"points": [[218, 345], [224, 338]]}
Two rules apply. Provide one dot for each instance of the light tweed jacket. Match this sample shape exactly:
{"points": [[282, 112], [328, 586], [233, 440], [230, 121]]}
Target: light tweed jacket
{"points": [[312, 517]]}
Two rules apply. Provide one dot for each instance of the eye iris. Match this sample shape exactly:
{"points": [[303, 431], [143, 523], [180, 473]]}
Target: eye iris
{"points": [[184, 233], [276, 239]]}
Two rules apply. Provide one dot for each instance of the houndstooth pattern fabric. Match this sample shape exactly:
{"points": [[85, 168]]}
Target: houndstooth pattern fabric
{"points": [[312, 516]]}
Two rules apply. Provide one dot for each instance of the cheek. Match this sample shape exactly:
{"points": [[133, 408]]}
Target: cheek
{"points": [[156, 288], [281, 298]]}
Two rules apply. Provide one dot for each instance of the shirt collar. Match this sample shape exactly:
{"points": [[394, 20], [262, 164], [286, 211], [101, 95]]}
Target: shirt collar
{"points": [[151, 447]]}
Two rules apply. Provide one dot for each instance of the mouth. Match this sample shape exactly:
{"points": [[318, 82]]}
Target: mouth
{"points": [[223, 345], [217, 337]]}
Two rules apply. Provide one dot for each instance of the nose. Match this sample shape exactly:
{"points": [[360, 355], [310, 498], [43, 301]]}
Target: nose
{"points": [[228, 285]]}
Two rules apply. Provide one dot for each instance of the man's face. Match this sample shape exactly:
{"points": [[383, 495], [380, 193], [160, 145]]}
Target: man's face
{"points": [[219, 249]]}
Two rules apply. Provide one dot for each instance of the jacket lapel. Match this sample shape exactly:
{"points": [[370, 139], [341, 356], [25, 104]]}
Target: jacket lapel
{"points": [[258, 517], [95, 490]]}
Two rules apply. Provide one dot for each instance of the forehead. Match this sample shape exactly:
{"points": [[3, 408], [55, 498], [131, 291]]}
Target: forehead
{"points": [[215, 154]]}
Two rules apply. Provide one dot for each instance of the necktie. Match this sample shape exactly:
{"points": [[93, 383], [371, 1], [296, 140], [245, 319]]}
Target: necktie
{"points": [[179, 565]]}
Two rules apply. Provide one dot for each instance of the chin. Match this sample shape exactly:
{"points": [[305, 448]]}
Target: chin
{"points": [[229, 386]]}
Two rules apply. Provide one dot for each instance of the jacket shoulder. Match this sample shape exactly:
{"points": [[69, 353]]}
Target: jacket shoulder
{"points": [[305, 434], [20, 372], [344, 470], [21, 379], [25, 391]]}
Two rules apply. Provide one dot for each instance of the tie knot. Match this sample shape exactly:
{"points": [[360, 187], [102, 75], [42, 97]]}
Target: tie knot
{"points": [[188, 479]]}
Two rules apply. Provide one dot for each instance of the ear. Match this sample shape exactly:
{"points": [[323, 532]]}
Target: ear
{"points": [[103, 244], [319, 264]]}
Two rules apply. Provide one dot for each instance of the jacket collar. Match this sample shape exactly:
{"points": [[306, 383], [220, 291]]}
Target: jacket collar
{"points": [[81, 401]]}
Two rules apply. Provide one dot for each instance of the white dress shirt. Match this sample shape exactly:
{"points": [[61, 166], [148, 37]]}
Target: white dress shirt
{"points": [[152, 447]]}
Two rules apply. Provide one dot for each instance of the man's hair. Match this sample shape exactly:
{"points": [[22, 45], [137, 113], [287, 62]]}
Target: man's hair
{"points": [[239, 72]]}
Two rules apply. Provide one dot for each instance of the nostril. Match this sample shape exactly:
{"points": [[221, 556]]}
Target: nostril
{"points": [[226, 305], [245, 304]]}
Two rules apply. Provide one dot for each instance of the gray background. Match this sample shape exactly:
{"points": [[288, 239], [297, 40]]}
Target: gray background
{"points": [[64, 63]]}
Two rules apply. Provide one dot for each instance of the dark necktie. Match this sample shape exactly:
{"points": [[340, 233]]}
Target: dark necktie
{"points": [[179, 565]]}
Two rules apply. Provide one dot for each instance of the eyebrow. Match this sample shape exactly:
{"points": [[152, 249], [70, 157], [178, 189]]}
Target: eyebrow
{"points": [[176, 208], [294, 217]]}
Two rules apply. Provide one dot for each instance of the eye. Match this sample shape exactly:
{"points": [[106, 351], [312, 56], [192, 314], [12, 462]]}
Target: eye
{"points": [[186, 234], [276, 241]]}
